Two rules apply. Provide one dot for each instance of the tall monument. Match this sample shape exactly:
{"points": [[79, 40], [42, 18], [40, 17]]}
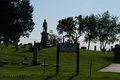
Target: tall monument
{"points": [[44, 36]]}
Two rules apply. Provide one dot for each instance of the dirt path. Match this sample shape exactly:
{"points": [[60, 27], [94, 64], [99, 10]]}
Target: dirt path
{"points": [[114, 67]]}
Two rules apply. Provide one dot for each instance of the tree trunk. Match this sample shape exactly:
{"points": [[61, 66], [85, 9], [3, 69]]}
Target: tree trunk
{"points": [[75, 41], [16, 44], [88, 45]]}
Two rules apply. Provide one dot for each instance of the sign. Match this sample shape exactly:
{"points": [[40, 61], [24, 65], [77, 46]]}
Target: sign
{"points": [[68, 47]]}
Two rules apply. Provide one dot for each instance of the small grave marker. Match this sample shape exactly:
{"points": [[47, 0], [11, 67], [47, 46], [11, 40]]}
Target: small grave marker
{"points": [[54, 65], [15, 62], [26, 63], [4, 62]]}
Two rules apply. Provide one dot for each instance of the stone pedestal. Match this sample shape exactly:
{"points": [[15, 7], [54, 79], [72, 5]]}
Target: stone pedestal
{"points": [[35, 58], [44, 40]]}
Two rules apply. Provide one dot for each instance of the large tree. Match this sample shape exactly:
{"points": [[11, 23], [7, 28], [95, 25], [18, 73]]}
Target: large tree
{"points": [[52, 36], [90, 32], [107, 29], [72, 27], [16, 19]]}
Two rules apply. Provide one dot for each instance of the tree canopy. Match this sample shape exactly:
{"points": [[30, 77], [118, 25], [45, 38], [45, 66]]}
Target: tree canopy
{"points": [[73, 27], [16, 18], [107, 29], [102, 27]]}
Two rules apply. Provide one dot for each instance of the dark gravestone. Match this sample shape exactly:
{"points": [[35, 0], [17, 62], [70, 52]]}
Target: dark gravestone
{"points": [[25, 44], [95, 48], [112, 48], [54, 65], [108, 50], [35, 57], [23, 47], [117, 52], [30, 44], [20, 43], [54, 42], [37, 45], [83, 48], [26, 63], [44, 64], [103, 49], [15, 62], [4, 62]]}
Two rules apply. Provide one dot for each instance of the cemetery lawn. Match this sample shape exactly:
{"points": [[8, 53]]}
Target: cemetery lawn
{"points": [[67, 71]]}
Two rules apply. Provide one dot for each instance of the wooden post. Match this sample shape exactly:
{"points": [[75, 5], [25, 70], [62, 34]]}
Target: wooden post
{"points": [[44, 67], [57, 62], [90, 67], [77, 72]]}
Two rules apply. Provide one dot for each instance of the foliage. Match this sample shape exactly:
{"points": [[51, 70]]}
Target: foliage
{"points": [[53, 36], [90, 32], [69, 26], [107, 29], [16, 18]]}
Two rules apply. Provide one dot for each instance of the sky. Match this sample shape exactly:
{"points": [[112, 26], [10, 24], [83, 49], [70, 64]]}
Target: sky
{"points": [[55, 10]]}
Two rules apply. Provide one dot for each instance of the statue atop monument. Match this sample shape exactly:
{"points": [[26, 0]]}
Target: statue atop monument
{"points": [[44, 26]]}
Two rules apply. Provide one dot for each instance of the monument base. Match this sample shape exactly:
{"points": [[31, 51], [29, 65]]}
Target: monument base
{"points": [[33, 64], [44, 40]]}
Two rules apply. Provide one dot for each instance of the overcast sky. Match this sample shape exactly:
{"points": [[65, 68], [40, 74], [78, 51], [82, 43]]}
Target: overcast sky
{"points": [[55, 10]]}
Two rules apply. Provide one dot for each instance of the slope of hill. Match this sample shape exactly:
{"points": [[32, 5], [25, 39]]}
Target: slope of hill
{"points": [[67, 71]]}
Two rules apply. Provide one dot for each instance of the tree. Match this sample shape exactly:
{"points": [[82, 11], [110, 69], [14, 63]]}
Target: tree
{"points": [[107, 29], [90, 32], [69, 26], [16, 19], [53, 36]]}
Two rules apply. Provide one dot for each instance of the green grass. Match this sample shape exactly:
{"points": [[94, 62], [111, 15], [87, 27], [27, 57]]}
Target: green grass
{"points": [[67, 71]]}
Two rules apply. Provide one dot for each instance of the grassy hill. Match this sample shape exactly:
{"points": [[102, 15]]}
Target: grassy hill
{"points": [[67, 71]]}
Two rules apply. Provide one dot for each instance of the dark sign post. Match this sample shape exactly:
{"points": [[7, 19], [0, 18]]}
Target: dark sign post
{"points": [[67, 47]]}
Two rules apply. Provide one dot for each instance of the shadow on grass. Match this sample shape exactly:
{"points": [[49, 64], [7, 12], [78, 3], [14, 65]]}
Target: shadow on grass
{"points": [[50, 76], [1, 65], [71, 77], [111, 59], [25, 66], [27, 51], [88, 77]]}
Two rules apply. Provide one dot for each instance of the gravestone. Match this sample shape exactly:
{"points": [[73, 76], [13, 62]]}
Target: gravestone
{"points": [[4, 62], [37, 45], [54, 65], [108, 50], [117, 52], [44, 36], [22, 46], [30, 44], [26, 63], [14, 62], [95, 48], [35, 57], [20, 43], [112, 48], [83, 48], [54, 42]]}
